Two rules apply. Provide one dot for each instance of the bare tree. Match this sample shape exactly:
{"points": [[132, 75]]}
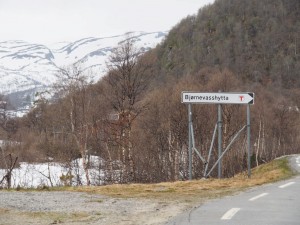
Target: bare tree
{"points": [[10, 163], [73, 85], [127, 81]]}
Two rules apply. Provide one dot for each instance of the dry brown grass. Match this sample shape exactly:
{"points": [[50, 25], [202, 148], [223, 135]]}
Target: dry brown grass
{"points": [[195, 190], [14, 217], [3, 211]]}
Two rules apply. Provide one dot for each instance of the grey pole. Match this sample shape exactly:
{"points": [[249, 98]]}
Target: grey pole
{"points": [[190, 140], [219, 140], [249, 140], [210, 149]]}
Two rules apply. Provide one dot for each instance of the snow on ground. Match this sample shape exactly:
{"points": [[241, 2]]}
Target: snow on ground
{"points": [[32, 175]]}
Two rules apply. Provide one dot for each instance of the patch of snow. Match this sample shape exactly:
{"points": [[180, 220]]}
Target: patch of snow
{"points": [[33, 175]]}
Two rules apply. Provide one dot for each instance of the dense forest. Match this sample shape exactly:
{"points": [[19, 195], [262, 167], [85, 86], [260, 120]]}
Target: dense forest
{"points": [[133, 117]]}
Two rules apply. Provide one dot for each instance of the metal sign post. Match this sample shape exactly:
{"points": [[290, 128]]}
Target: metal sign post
{"points": [[217, 98], [249, 140], [220, 140], [190, 141]]}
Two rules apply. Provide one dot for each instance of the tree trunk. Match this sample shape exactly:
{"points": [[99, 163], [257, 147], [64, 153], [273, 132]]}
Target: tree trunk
{"points": [[258, 143], [85, 161], [176, 164]]}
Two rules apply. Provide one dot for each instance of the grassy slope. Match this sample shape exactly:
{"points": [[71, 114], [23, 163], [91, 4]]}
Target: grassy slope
{"points": [[196, 191]]}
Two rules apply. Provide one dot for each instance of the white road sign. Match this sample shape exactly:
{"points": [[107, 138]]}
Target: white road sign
{"points": [[217, 98]]}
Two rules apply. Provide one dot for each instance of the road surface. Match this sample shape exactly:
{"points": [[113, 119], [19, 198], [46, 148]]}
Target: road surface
{"points": [[272, 204]]}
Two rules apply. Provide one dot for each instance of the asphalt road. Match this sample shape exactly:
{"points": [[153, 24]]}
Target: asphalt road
{"points": [[272, 204]]}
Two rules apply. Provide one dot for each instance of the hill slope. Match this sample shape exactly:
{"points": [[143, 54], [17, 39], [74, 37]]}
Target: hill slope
{"points": [[259, 40]]}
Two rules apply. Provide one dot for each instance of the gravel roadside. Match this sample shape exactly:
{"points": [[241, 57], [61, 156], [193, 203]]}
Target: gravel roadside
{"points": [[80, 208]]}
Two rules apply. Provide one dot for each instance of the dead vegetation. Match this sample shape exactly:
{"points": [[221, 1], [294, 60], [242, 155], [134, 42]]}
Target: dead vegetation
{"points": [[44, 217], [195, 191]]}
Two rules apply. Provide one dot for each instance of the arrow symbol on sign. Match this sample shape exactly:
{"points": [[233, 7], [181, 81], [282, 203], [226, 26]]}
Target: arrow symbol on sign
{"points": [[251, 100]]}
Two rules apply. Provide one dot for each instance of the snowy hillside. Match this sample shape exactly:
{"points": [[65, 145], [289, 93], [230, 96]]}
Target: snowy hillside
{"points": [[27, 67]]}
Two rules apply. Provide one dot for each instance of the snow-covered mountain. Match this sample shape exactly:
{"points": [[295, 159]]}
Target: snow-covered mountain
{"points": [[26, 67]]}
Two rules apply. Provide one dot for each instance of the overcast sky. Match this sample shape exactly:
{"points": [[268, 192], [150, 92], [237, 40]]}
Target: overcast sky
{"points": [[49, 21]]}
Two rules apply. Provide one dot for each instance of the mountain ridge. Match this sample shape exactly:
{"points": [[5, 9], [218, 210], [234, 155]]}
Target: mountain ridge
{"points": [[27, 67]]}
